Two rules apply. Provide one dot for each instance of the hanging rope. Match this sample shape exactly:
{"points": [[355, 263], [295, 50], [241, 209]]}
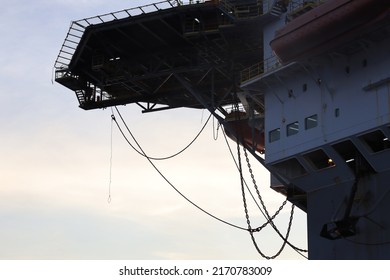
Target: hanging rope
{"points": [[249, 229], [110, 173], [173, 155], [162, 175], [215, 130]]}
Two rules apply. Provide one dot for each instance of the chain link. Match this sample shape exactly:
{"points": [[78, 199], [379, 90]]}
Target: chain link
{"points": [[269, 218], [251, 231]]}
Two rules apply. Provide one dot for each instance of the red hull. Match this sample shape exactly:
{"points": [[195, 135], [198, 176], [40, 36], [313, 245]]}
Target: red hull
{"points": [[325, 26], [238, 124]]}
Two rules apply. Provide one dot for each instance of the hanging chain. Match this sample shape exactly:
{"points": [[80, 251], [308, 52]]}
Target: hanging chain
{"points": [[285, 242], [242, 177], [270, 218], [252, 231], [242, 188]]}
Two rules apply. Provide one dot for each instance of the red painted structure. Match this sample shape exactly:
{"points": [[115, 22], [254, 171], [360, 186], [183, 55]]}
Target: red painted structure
{"points": [[326, 26]]}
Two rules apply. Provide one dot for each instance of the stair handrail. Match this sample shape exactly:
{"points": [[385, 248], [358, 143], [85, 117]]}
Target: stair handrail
{"points": [[269, 5]]}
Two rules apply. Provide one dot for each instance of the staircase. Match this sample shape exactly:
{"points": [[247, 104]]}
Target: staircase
{"points": [[80, 94], [65, 78], [278, 8]]}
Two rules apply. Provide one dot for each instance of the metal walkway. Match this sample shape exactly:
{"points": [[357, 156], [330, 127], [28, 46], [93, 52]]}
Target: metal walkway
{"points": [[77, 28], [237, 9], [159, 53]]}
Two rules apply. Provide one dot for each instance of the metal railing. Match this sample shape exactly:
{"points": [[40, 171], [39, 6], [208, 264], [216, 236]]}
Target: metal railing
{"points": [[77, 28], [64, 74], [296, 5], [260, 69], [189, 2], [272, 63], [297, 8], [245, 11]]}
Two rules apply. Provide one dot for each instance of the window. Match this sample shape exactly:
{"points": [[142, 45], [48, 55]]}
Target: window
{"points": [[292, 128], [337, 112], [274, 135], [311, 122]]}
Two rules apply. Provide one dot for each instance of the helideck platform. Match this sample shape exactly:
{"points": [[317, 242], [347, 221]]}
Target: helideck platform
{"points": [[163, 55]]}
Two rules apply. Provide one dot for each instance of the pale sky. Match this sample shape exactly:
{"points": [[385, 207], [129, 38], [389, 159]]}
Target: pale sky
{"points": [[55, 164]]}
